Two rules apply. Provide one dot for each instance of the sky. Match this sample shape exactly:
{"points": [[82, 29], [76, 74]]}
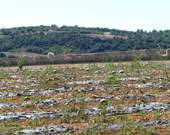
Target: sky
{"points": [[119, 14]]}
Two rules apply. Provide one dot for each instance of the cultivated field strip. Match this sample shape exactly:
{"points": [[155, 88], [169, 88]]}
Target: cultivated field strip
{"points": [[103, 98]]}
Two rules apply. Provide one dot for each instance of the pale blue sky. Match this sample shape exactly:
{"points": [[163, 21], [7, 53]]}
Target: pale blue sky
{"points": [[119, 14]]}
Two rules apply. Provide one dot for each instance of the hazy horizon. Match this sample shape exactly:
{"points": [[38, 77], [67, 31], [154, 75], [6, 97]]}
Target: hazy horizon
{"points": [[116, 14]]}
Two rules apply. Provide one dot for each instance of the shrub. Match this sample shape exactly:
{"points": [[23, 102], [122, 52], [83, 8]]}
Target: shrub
{"points": [[11, 56], [112, 79], [2, 55], [136, 63], [20, 64]]}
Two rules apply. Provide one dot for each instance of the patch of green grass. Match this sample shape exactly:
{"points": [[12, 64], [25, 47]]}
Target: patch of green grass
{"points": [[9, 128], [127, 128], [35, 123], [147, 130], [112, 79], [4, 74], [81, 114]]}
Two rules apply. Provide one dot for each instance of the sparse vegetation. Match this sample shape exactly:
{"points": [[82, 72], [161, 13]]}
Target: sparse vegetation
{"points": [[84, 98]]}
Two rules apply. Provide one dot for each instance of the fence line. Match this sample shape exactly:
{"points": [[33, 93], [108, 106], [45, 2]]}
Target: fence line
{"points": [[153, 54]]}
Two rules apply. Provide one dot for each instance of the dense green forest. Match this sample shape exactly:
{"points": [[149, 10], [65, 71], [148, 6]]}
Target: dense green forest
{"points": [[74, 39]]}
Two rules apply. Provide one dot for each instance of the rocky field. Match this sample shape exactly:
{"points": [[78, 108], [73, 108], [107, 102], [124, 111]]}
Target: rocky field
{"points": [[82, 99]]}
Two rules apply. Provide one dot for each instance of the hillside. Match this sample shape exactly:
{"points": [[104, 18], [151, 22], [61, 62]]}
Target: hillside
{"points": [[73, 39]]}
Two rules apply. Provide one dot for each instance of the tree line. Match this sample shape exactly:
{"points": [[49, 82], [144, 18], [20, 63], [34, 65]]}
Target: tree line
{"points": [[74, 39]]}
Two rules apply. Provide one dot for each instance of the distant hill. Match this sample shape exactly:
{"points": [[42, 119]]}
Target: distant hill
{"points": [[73, 39]]}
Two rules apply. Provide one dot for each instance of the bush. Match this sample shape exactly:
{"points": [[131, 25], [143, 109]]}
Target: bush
{"points": [[20, 64], [2, 55], [11, 56], [136, 63], [112, 79]]}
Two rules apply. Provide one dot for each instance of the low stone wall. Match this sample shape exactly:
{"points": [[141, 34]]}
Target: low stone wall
{"points": [[90, 57]]}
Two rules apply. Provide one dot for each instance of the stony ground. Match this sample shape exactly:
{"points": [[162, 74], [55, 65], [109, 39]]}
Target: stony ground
{"points": [[106, 98]]}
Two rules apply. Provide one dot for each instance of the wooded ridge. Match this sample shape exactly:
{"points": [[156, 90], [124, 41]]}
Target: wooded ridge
{"points": [[74, 39]]}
